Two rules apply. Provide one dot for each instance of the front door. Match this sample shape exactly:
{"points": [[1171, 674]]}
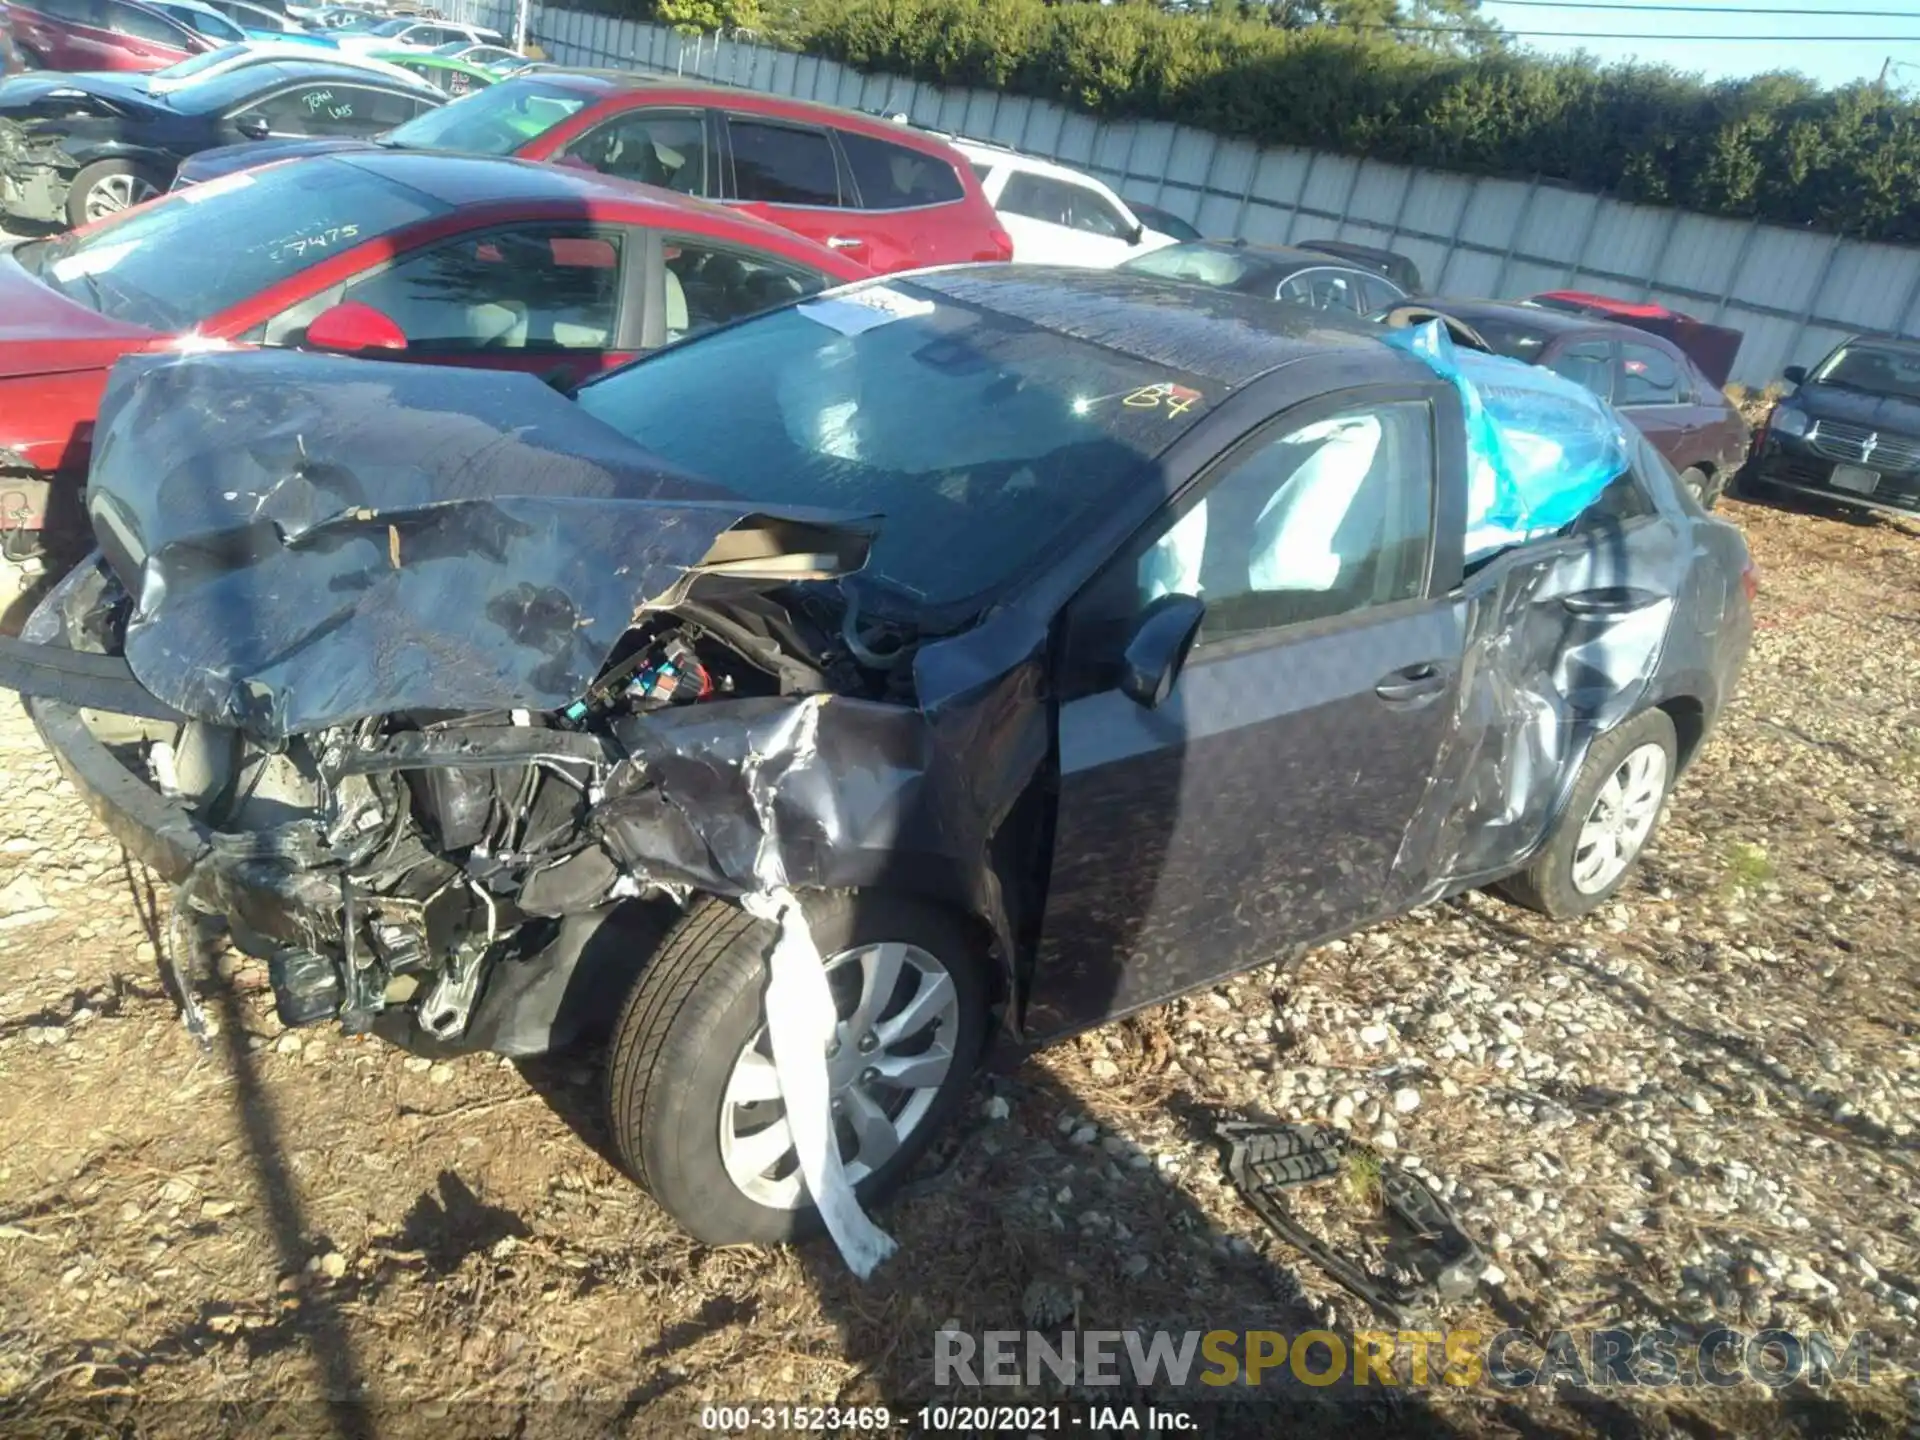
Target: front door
{"points": [[1264, 804]]}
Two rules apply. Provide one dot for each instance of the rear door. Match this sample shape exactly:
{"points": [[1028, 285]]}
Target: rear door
{"points": [[1264, 805], [788, 173], [550, 298], [696, 283], [150, 39], [1055, 221], [1653, 390]]}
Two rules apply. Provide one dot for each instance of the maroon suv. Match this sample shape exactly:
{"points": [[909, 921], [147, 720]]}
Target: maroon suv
{"points": [[99, 35], [1649, 379]]}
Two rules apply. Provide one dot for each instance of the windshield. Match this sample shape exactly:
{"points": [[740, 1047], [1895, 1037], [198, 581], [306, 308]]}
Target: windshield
{"points": [[980, 439], [491, 122], [1197, 264], [1876, 369], [179, 261]]}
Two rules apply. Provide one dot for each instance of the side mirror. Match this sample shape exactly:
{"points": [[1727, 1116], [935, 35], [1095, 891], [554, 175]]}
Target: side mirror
{"points": [[1153, 657], [254, 127], [1139, 234], [1795, 374], [354, 329]]}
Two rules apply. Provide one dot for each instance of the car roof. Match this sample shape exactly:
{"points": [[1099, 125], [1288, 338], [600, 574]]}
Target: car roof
{"points": [[991, 152], [1883, 342], [1277, 255], [1538, 317], [280, 71], [1217, 335], [609, 85], [457, 180]]}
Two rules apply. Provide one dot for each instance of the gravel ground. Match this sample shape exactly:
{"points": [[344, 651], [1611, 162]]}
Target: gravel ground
{"points": [[1699, 1106]]}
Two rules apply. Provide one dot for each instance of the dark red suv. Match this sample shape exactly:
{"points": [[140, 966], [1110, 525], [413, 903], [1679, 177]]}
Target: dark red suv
{"points": [[889, 197], [100, 35]]}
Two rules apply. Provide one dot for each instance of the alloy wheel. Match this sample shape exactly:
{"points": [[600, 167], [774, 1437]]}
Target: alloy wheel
{"points": [[114, 193], [1622, 817], [892, 1051]]}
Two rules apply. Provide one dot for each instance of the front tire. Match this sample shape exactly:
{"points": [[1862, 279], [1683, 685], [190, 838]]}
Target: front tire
{"points": [[1609, 820], [107, 187], [693, 1103]]}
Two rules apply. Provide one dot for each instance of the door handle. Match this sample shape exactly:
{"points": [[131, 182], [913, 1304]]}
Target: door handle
{"points": [[1415, 682], [1605, 602]]}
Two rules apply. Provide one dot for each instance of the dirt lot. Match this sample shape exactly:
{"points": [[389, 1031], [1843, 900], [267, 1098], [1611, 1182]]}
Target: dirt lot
{"points": [[1698, 1107]]}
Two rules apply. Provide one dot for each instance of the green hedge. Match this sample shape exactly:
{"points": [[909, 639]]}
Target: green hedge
{"points": [[1777, 146]]}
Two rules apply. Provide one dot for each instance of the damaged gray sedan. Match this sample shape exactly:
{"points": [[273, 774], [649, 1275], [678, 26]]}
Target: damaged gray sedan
{"points": [[1063, 640]]}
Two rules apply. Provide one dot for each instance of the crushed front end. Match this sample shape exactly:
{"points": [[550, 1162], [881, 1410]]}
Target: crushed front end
{"points": [[440, 722]]}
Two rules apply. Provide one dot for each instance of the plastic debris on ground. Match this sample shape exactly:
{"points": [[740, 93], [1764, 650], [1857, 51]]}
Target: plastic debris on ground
{"points": [[1430, 1257], [1540, 449]]}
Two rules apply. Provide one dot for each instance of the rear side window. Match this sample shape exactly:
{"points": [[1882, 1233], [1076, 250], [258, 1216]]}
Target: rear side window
{"points": [[783, 164], [1647, 377], [896, 177], [1588, 364], [708, 285], [143, 25]]}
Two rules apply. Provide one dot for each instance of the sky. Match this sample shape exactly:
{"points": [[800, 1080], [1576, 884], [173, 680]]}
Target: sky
{"points": [[1724, 56]]}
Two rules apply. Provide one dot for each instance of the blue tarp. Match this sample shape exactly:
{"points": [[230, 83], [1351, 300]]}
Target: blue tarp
{"points": [[1540, 448]]}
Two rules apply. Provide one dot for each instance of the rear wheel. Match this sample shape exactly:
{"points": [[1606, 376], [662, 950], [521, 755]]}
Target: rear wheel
{"points": [[107, 187], [1610, 817], [693, 1100]]}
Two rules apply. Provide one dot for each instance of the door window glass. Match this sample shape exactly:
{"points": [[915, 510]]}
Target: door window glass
{"points": [[1378, 293], [667, 148], [1328, 518], [708, 286], [554, 288], [1647, 377], [1588, 364], [897, 177], [214, 27], [783, 164], [1090, 213], [334, 110], [1322, 289], [143, 25], [1035, 197]]}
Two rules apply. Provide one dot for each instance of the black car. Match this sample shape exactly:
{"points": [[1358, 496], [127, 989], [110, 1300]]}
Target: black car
{"points": [[76, 147], [1850, 431], [1390, 263], [1273, 272], [1140, 646]]}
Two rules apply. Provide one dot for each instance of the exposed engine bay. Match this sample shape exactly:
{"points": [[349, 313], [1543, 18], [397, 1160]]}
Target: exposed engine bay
{"points": [[426, 849]]}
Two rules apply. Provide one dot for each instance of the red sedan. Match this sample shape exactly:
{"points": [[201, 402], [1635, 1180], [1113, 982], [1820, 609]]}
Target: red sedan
{"points": [[99, 35], [889, 196], [454, 260]]}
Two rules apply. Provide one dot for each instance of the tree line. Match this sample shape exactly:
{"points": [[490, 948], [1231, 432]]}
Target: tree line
{"points": [[1776, 147]]}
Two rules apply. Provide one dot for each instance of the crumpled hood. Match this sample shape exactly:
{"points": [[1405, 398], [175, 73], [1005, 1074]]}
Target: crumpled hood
{"points": [[311, 540]]}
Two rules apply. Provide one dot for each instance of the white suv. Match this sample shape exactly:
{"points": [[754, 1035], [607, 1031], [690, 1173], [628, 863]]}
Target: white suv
{"points": [[1057, 216]]}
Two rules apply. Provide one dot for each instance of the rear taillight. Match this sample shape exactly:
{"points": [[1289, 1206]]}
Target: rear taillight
{"points": [[1750, 582], [1002, 244]]}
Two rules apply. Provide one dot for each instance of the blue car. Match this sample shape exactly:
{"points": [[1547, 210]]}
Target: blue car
{"points": [[231, 22]]}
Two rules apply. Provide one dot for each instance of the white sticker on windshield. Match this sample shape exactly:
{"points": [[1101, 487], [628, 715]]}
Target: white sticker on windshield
{"points": [[859, 311], [96, 261], [221, 185]]}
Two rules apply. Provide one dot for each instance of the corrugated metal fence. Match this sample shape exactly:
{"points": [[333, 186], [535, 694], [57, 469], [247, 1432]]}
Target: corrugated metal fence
{"points": [[1794, 292]]}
